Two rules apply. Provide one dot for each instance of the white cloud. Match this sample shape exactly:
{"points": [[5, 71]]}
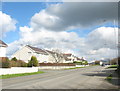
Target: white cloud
{"points": [[6, 24], [69, 15], [47, 30], [103, 37], [91, 47]]}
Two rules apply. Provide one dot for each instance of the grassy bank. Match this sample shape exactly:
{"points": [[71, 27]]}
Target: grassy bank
{"points": [[113, 66], [17, 75]]}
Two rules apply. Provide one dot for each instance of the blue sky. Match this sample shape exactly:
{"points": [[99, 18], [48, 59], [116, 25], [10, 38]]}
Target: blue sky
{"points": [[75, 26], [22, 12]]}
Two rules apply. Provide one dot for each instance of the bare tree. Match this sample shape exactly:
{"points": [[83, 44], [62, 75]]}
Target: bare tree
{"points": [[57, 55]]}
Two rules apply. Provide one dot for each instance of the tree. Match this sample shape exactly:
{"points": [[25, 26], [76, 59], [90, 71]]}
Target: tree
{"points": [[30, 64], [5, 62], [85, 62], [14, 59], [114, 61], [57, 55], [78, 62], [97, 62], [33, 62]]}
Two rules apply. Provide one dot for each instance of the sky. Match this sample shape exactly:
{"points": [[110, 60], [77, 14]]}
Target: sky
{"points": [[85, 29]]}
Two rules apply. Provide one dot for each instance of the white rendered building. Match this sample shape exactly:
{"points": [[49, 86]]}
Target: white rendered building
{"points": [[3, 47], [43, 56]]}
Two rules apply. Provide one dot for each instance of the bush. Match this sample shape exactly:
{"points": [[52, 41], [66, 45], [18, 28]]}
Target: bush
{"points": [[5, 63], [33, 62], [97, 62], [14, 59], [77, 62], [23, 64], [85, 63], [18, 63], [30, 64]]}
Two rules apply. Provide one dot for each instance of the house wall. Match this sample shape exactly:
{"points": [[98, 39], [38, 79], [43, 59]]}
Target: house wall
{"points": [[2, 51], [26, 53], [42, 58], [52, 60], [23, 54]]}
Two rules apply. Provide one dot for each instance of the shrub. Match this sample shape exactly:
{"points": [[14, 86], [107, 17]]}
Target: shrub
{"points": [[97, 62], [23, 64], [14, 59], [77, 62], [33, 62], [18, 63], [30, 64], [5, 63], [85, 63]]}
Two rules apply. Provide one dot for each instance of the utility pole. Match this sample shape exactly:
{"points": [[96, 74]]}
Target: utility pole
{"points": [[115, 34]]}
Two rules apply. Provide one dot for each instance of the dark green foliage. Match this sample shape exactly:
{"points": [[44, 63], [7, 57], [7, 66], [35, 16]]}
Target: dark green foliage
{"points": [[18, 63], [85, 62], [14, 59], [5, 63], [23, 64], [97, 62], [81, 62], [77, 62], [33, 62], [30, 63]]}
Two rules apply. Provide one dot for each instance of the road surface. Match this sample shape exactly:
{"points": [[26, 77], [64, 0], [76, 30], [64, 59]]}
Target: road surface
{"points": [[82, 78]]}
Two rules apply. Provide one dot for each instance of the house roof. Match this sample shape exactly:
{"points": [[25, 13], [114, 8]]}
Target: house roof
{"points": [[2, 44], [50, 51], [37, 50], [66, 58], [78, 58], [41, 51], [68, 54]]}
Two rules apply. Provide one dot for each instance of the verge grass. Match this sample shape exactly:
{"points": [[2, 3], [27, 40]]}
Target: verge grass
{"points": [[109, 78], [113, 66], [17, 75]]}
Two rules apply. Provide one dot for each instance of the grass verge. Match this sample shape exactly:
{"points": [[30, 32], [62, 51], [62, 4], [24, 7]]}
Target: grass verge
{"points": [[17, 75], [109, 78], [113, 66]]}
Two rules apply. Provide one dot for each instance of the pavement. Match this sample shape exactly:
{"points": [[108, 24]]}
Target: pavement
{"points": [[92, 77]]}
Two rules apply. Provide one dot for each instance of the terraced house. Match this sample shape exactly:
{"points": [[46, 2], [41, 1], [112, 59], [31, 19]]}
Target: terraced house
{"points": [[43, 56]]}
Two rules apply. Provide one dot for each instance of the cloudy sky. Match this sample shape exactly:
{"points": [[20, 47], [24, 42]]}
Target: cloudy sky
{"points": [[86, 29]]}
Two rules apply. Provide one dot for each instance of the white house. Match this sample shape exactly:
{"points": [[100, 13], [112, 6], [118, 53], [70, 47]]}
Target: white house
{"points": [[3, 47], [70, 58], [43, 56]]}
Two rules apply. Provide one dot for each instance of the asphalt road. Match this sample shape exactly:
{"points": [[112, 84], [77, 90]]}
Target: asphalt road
{"points": [[82, 78]]}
